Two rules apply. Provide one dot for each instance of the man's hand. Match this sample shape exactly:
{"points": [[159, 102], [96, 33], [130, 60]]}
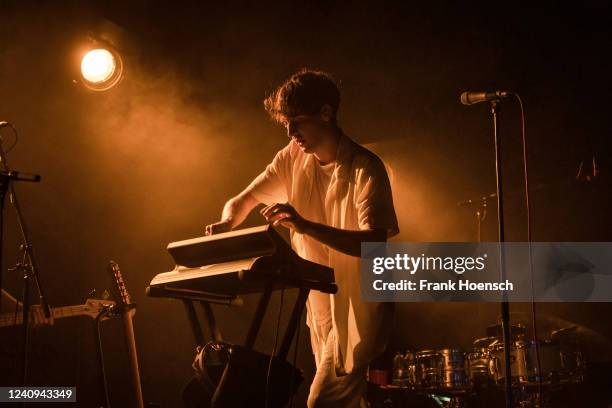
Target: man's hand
{"points": [[345, 241], [37, 317], [218, 227], [234, 213], [285, 215]]}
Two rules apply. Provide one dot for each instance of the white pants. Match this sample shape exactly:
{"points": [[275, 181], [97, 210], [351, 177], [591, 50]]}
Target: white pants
{"points": [[328, 390]]}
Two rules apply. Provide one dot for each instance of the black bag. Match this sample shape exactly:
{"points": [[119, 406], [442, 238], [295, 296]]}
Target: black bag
{"points": [[228, 375]]}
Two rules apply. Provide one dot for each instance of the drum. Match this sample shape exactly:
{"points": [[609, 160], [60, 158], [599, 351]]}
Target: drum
{"points": [[478, 365], [410, 373], [404, 370], [429, 369], [443, 370], [573, 365], [497, 364], [454, 370], [550, 362], [523, 362]]}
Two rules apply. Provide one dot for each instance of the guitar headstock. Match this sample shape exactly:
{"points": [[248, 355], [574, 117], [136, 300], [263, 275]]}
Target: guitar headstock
{"points": [[93, 307], [118, 290]]}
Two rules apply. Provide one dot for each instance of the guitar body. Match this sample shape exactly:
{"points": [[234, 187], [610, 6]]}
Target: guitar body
{"points": [[91, 308]]}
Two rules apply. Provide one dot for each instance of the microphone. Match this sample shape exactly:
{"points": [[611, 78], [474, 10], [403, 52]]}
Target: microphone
{"points": [[470, 98]]}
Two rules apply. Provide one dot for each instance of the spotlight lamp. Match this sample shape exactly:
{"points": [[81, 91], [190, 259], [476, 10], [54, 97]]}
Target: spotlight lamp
{"points": [[101, 68]]}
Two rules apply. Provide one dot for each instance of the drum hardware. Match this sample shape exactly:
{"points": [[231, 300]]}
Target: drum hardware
{"points": [[478, 363], [483, 342], [455, 370], [428, 369], [517, 331], [404, 370], [455, 379], [524, 364]]}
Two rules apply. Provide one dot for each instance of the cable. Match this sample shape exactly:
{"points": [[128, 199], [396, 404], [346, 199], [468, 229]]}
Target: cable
{"points": [[79, 337], [2, 215], [529, 238], [14, 142], [16, 314], [295, 354], [280, 313], [99, 317]]}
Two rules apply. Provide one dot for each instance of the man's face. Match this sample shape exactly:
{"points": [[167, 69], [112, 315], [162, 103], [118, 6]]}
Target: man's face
{"points": [[308, 131]]}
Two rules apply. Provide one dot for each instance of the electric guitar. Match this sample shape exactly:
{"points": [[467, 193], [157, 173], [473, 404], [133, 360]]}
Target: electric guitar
{"points": [[91, 308], [127, 310]]}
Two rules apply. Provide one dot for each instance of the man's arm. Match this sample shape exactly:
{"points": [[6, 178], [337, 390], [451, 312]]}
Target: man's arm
{"points": [[345, 241], [234, 213]]}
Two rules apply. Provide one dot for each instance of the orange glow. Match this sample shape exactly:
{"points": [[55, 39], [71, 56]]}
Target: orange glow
{"points": [[98, 65], [101, 69]]}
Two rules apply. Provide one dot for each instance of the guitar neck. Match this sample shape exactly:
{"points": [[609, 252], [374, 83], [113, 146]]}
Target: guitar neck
{"points": [[122, 297], [12, 319]]}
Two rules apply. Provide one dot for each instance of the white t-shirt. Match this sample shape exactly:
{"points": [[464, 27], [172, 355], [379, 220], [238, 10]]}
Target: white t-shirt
{"points": [[358, 197], [319, 304]]}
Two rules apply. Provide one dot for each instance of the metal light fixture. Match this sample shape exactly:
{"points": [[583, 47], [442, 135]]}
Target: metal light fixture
{"points": [[101, 68]]}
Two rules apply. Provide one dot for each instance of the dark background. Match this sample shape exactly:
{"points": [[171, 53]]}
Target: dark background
{"points": [[154, 159]]}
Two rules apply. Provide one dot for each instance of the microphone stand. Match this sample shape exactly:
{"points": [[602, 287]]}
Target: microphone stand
{"points": [[505, 306], [4, 182], [28, 264], [481, 214]]}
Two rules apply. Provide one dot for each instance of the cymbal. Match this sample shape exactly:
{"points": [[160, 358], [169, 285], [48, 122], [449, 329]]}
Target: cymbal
{"points": [[596, 346], [597, 182]]}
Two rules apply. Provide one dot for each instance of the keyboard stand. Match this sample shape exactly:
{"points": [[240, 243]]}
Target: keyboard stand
{"points": [[188, 297]]}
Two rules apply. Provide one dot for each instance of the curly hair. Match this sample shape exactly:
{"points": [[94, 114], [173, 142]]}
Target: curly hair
{"points": [[304, 93]]}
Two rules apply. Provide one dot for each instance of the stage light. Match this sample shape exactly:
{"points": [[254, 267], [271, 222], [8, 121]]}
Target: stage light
{"points": [[98, 65], [101, 69]]}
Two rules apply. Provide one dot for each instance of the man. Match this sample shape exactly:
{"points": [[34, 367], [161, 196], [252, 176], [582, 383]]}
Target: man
{"points": [[333, 194]]}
